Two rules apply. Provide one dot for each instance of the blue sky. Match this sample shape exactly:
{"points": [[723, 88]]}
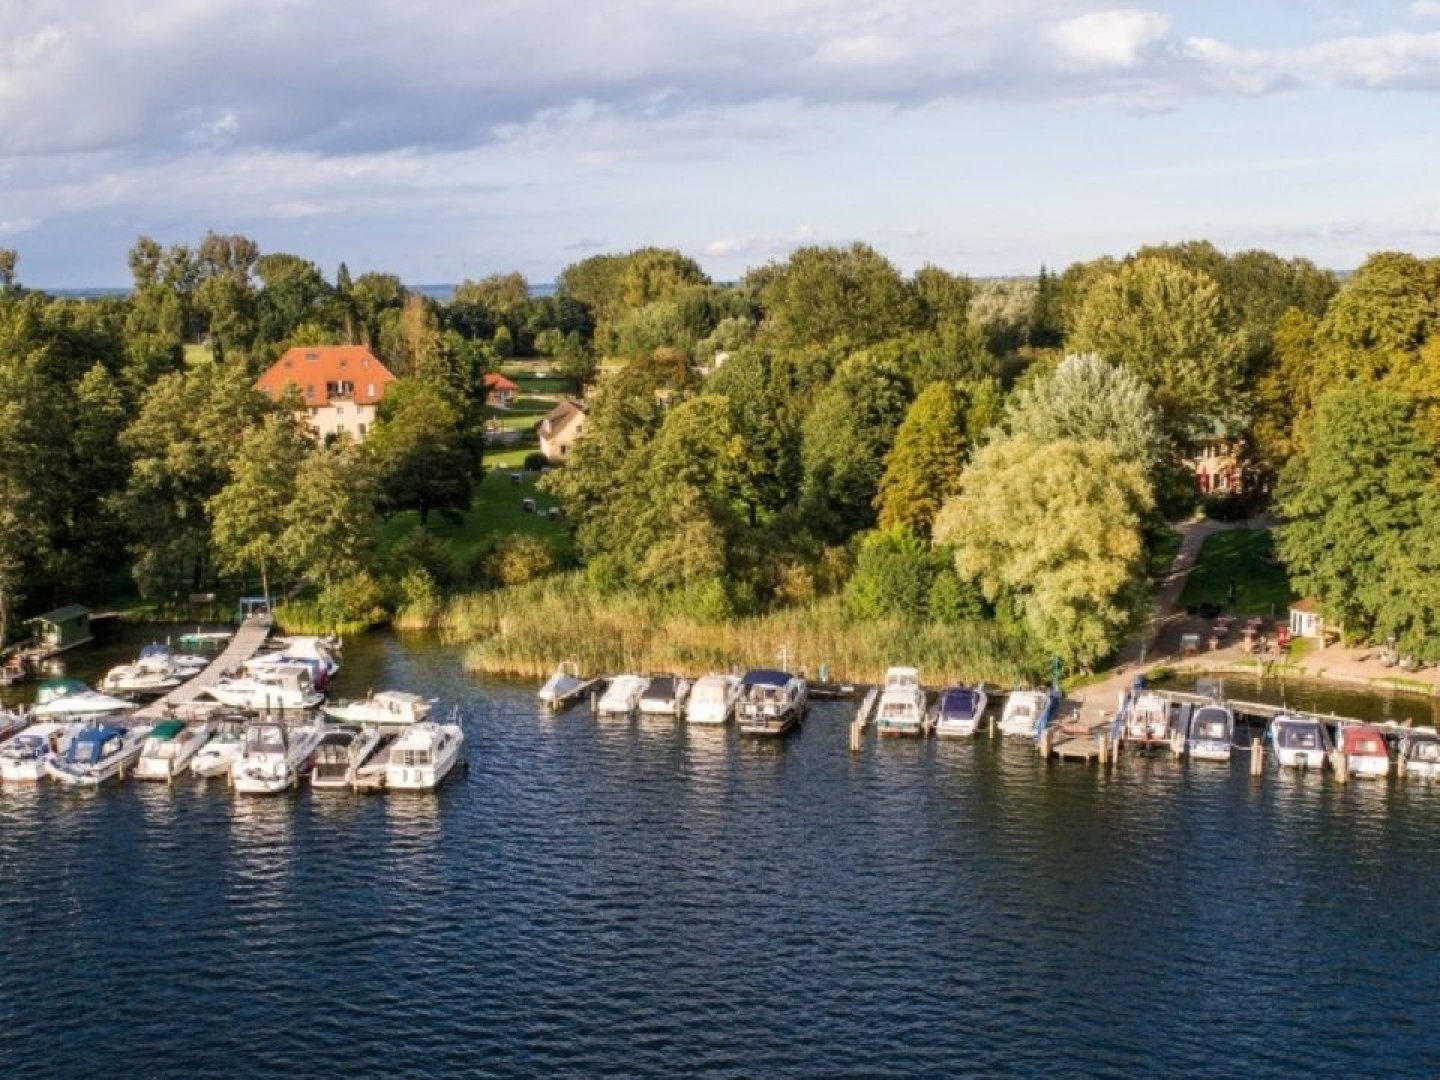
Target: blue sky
{"points": [[443, 139]]}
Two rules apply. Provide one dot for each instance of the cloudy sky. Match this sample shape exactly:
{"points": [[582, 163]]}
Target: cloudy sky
{"points": [[443, 139]]}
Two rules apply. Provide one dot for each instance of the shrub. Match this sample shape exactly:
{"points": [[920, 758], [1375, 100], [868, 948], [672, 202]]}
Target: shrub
{"points": [[536, 461], [521, 558], [953, 601], [894, 574], [421, 550]]}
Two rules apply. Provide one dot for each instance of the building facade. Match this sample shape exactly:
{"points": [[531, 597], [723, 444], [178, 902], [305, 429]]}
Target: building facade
{"points": [[339, 387]]}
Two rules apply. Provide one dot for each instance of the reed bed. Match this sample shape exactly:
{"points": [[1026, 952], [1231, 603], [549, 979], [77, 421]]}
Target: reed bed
{"points": [[524, 631]]}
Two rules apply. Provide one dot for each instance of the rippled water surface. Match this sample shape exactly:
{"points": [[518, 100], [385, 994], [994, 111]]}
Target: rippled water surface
{"points": [[642, 899]]}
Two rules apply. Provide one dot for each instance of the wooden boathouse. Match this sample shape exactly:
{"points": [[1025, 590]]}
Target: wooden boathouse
{"points": [[61, 629]]}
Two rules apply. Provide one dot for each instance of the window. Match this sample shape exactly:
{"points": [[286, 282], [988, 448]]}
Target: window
{"points": [[370, 390], [361, 429]]}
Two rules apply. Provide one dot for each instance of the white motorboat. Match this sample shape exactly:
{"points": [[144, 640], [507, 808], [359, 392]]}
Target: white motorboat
{"points": [[389, 708], [12, 722], [134, 680], [98, 752], [276, 688], [902, 704], [83, 704], [1147, 719], [622, 696], [664, 695], [274, 756], [1211, 732], [23, 755], [959, 711], [712, 699], [51, 689], [1420, 751], [423, 755], [563, 686], [320, 655], [1299, 742], [169, 750], [771, 702], [226, 742], [340, 756], [1026, 712]]}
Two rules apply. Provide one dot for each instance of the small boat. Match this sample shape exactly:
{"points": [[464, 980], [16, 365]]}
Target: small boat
{"points": [[959, 710], [168, 751], [278, 688], [390, 708], [12, 722], [341, 754], [1364, 749], [1147, 719], [98, 752], [423, 755], [712, 699], [664, 695], [1420, 750], [320, 654], [1211, 732], [563, 686], [157, 671], [274, 756], [902, 704], [205, 639], [1026, 712], [226, 742], [83, 704], [51, 689], [771, 702], [622, 696], [23, 755], [1299, 742]]}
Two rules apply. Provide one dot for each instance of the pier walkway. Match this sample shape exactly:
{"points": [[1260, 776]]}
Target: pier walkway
{"points": [[245, 644]]}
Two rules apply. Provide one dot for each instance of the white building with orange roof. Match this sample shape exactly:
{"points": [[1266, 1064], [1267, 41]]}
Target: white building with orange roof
{"points": [[339, 386]]}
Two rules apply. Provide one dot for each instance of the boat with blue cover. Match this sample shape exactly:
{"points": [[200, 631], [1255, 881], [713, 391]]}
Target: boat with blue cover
{"points": [[99, 751], [959, 710], [771, 702]]}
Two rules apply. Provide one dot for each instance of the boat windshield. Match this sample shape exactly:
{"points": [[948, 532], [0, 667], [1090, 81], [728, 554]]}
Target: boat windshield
{"points": [[1022, 711], [709, 694], [413, 759], [1216, 729], [1426, 750], [1295, 737], [268, 740], [1367, 746], [165, 750], [897, 708]]}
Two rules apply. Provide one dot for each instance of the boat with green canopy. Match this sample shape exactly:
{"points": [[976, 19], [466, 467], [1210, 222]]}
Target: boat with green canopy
{"points": [[168, 750]]}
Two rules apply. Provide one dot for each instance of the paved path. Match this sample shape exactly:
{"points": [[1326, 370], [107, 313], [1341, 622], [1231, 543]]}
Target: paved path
{"points": [[245, 644]]}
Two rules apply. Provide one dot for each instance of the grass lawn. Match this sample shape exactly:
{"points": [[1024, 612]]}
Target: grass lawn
{"points": [[1162, 554], [509, 458], [1246, 559], [550, 384], [494, 511]]}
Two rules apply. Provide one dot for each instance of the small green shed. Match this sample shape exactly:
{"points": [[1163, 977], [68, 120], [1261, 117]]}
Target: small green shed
{"points": [[63, 628]]}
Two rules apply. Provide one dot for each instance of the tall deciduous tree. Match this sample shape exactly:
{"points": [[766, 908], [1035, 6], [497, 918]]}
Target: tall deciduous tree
{"points": [[421, 452], [1056, 529], [250, 512], [821, 295], [923, 468]]}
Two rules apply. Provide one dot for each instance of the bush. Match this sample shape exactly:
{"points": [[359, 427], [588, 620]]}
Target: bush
{"points": [[893, 575], [953, 601], [421, 550], [536, 461]]}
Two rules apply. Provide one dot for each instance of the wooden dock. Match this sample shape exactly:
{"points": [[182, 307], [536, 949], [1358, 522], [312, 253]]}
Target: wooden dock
{"points": [[245, 644]]}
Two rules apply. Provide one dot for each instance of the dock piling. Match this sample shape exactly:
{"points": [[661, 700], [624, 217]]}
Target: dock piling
{"points": [[1341, 764], [1257, 759], [1045, 744], [594, 703]]}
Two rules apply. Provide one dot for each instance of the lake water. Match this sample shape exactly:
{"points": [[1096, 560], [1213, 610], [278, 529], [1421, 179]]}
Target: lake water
{"points": [[622, 899]]}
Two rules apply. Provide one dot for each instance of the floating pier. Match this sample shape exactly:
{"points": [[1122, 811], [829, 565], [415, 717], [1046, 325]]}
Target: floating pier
{"points": [[245, 644]]}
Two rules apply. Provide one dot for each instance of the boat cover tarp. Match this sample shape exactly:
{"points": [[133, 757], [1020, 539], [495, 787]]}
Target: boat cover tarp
{"points": [[766, 677], [958, 703]]}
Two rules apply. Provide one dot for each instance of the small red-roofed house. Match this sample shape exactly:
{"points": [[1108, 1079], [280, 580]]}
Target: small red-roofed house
{"points": [[339, 385], [499, 390]]}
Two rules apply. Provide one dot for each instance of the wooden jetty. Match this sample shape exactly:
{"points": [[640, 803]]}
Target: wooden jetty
{"points": [[245, 644]]}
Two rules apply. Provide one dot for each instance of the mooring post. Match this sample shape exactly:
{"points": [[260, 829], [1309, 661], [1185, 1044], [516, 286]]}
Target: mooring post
{"points": [[1257, 760], [992, 727], [1045, 744], [1400, 766], [1341, 762], [1177, 744], [855, 736], [594, 703]]}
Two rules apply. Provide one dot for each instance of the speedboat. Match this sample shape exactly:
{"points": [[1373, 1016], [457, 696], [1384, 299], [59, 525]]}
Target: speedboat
{"points": [[23, 755], [423, 755], [98, 752], [168, 751], [280, 687], [959, 710], [12, 722], [320, 654], [563, 685], [1363, 746], [1026, 712], [390, 708], [712, 699], [1147, 720], [1420, 750], [51, 689], [274, 756], [902, 703], [622, 696], [1299, 742], [341, 754], [664, 695], [158, 670], [1211, 732], [82, 705], [226, 742], [771, 702]]}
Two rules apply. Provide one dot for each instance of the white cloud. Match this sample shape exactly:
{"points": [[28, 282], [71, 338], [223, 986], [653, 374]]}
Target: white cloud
{"points": [[1425, 9], [1102, 40]]}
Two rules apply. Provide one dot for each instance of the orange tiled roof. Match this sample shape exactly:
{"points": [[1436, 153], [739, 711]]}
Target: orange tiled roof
{"points": [[348, 372]]}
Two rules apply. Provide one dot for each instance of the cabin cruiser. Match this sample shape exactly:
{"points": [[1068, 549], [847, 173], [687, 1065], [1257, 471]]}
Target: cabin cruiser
{"points": [[23, 755], [1147, 718], [274, 756], [712, 699], [341, 754], [1364, 749], [279, 687], [562, 685], [771, 702], [51, 689], [1420, 750], [97, 752], [1026, 712], [1299, 742], [959, 710], [227, 740], [320, 655], [423, 755], [82, 705], [1211, 732], [390, 708], [664, 695], [158, 670], [168, 751], [622, 696], [902, 703]]}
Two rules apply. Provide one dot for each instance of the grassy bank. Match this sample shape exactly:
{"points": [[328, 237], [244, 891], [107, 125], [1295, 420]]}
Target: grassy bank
{"points": [[525, 630], [1242, 559]]}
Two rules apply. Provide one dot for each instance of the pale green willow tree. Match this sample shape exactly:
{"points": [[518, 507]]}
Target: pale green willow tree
{"points": [[1056, 530]]}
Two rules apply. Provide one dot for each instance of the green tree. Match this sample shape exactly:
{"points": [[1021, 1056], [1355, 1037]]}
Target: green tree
{"points": [[895, 572], [820, 295], [923, 467], [249, 514], [421, 452], [329, 523], [1056, 529]]}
